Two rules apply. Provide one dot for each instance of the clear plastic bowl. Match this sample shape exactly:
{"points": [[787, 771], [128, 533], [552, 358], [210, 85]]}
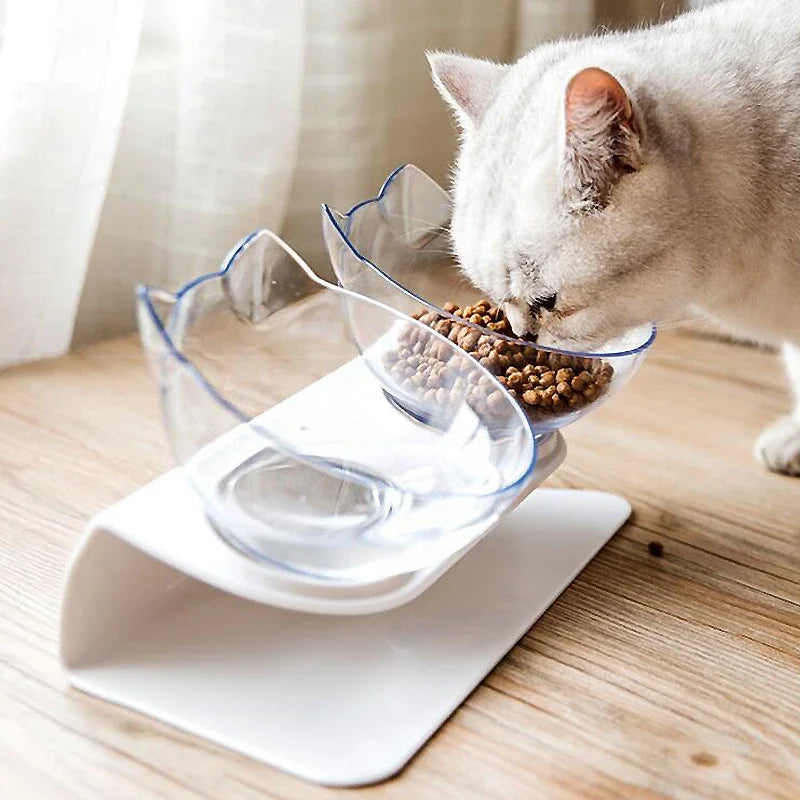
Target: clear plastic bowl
{"points": [[324, 431], [395, 249]]}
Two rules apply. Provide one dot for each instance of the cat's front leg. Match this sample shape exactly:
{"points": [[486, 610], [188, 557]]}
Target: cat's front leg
{"points": [[778, 447]]}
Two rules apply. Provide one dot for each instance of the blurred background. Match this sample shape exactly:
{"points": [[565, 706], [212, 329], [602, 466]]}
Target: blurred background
{"points": [[142, 138]]}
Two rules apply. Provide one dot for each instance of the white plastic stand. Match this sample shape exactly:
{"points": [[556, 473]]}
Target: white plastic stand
{"points": [[160, 616]]}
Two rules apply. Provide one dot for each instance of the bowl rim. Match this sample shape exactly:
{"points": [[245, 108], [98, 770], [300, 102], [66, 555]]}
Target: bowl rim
{"points": [[144, 294], [331, 214]]}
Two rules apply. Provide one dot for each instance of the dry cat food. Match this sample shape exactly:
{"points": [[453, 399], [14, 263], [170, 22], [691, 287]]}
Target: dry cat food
{"points": [[655, 548], [544, 383]]}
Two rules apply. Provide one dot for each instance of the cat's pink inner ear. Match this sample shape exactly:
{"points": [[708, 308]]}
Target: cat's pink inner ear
{"points": [[602, 138], [594, 95], [468, 84]]}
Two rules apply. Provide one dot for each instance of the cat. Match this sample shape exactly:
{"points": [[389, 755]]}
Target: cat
{"points": [[640, 177]]}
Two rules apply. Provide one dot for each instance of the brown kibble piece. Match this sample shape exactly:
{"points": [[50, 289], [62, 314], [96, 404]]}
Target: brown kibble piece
{"points": [[494, 363], [495, 401], [655, 548], [516, 381], [470, 341], [564, 375], [443, 326], [548, 379], [504, 362], [442, 352], [531, 397]]}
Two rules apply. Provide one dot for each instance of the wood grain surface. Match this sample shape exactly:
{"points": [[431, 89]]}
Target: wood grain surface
{"points": [[649, 677]]}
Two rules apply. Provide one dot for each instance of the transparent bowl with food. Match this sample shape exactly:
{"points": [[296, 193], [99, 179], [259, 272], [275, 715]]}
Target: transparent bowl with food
{"points": [[324, 431], [395, 248]]}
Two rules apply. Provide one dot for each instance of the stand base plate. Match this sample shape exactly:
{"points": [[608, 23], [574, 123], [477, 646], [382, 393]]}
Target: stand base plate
{"points": [[348, 700]]}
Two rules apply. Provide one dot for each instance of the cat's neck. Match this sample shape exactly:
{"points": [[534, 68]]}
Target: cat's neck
{"points": [[755, 294]]}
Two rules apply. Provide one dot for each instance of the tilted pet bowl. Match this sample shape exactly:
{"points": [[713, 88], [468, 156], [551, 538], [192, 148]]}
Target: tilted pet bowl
{"points": [[395, 249], [274, 388]]}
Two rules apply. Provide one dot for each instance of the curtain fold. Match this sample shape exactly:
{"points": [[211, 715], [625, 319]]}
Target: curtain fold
{"points": [[142, 138], [64, 77], [547, 20], [368, 101], [207, 149]]}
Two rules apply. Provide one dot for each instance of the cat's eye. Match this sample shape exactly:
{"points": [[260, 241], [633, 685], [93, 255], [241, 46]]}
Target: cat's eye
{"points": [[548, 302]]}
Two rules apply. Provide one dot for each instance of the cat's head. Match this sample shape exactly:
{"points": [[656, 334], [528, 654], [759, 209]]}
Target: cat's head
{"points": [[564, 205]]}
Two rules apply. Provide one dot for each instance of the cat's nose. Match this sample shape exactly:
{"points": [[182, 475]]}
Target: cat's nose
{"points": [[520, 318]]}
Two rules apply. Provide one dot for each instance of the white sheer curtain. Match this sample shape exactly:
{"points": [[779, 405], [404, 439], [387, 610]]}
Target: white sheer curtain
{"points": [[140, 138]]}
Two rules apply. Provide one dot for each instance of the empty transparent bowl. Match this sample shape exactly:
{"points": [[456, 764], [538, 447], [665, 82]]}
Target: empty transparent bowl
{"points": [[324, 431], [395, 249]]}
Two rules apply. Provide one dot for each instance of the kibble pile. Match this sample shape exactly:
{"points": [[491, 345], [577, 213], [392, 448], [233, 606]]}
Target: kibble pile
{"points": [[544, 383]]}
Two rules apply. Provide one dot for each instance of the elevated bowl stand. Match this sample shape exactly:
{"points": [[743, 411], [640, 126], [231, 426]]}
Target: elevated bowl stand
{"points": [[161, 616], [338, 684]]}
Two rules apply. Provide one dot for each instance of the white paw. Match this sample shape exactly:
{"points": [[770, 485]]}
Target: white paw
{"points": [[778, 447]]}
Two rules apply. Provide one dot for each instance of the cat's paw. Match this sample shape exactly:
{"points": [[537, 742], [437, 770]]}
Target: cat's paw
{"points": [[778, 447]]}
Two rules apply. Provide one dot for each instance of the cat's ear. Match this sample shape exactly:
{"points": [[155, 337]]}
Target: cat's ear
{"points": [[602, 137], [468, 84]]}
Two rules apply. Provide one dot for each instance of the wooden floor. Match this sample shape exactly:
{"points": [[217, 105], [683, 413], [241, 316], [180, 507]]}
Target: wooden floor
{"points": [[650, 677]]}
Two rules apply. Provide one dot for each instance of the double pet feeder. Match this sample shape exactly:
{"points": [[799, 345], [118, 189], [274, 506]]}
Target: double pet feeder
{"points": [[341, 555]]}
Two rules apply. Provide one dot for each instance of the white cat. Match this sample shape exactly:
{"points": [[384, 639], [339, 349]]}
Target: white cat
{"points": [[629, 178]]}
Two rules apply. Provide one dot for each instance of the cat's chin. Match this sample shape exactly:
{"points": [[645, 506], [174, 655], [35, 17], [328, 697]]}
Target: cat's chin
{"points": [[557, 341], [597, 343]]}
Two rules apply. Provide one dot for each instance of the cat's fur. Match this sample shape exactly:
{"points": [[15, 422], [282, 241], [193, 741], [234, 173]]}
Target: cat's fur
{"points": [[664, 182]]}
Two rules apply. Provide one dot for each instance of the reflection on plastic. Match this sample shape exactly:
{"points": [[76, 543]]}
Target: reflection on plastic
{"points": [[274, 390]]}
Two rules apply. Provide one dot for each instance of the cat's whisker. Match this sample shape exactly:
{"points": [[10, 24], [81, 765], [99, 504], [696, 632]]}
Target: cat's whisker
{"points": [[424, 226], [417, 233], [684, 320], [438, 252]]}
